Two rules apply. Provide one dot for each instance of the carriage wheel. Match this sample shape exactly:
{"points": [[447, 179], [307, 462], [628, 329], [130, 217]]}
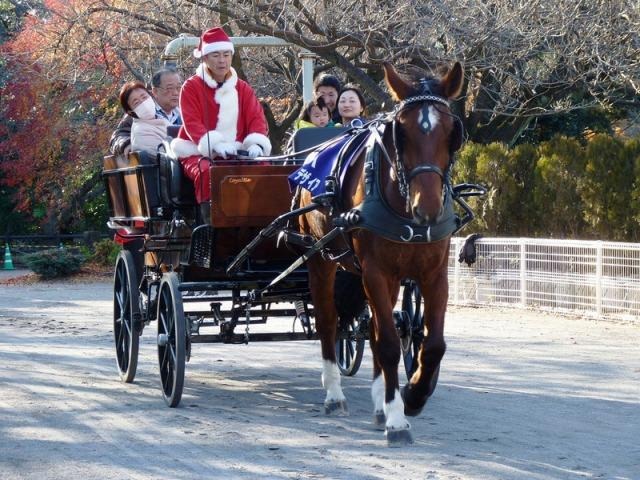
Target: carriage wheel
{"points": [[349, 346], [171, 339], [126, 316], [410, 343]]}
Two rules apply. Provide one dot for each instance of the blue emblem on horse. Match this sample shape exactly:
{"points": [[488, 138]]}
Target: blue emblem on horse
{"points": [[319, 164]]}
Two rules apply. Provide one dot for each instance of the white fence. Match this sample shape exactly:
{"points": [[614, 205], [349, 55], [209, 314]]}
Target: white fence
{"points": [[596, 278]]}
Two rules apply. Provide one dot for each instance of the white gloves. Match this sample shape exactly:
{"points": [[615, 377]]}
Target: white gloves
{"points": [[224, 149], [254, 151]]}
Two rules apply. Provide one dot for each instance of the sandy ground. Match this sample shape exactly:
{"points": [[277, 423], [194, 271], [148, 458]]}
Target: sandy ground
{"points": [[522, 395]]}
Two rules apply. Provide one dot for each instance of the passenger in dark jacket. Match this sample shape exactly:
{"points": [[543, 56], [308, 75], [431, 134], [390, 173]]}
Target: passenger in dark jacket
{"points": [[165, 87]]}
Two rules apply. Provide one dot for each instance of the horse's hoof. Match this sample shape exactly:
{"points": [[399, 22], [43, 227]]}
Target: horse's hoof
{"points": [[337, 407], [398, 438], [379, 420], [409, 410]]}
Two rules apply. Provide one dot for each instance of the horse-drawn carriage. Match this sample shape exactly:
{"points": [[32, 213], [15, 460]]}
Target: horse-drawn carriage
{"points": [[251, 263]]}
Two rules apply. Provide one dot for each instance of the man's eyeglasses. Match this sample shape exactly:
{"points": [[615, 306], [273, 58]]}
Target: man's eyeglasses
{"points": [[169, 89]]}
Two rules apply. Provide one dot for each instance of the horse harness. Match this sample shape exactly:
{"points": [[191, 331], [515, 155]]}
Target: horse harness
{"points": [[374, 213]]}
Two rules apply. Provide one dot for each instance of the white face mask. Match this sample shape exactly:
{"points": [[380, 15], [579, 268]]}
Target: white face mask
{"points": [[146, 110]]}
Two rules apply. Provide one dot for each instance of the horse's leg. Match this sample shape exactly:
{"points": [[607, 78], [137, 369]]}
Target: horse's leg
{"points": [[321, 280], [382, 293], [377, 385], [421, 385]]}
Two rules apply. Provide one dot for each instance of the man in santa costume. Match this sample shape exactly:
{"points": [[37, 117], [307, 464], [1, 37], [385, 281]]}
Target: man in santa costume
{"points": [[220, 115]]}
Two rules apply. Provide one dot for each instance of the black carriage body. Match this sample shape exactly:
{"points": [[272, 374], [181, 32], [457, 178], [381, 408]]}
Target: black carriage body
{"points": [[190, 278]]}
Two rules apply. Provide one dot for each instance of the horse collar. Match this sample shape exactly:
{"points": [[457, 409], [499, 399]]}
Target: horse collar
{"points": [[375, 214]]}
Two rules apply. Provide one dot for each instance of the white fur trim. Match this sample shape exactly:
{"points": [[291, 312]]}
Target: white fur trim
{"points": [[227, 97], [213, 47], [203, 72], [208, 140], [257, 139], [183, 148]]}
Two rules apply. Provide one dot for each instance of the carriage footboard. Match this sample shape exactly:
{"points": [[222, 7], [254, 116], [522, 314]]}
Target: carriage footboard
{"points": [[315, 248], [268, 232]]}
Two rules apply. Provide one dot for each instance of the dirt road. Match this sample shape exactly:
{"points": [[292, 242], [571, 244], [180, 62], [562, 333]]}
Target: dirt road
{"points": [[522, 395]]}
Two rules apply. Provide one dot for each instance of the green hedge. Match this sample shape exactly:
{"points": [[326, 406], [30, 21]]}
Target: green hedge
{"points": [[560, 188], [56, 262]]}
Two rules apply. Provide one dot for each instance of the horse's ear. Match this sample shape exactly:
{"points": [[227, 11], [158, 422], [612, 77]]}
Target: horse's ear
{"points": [[452, 81], [398, 88]]}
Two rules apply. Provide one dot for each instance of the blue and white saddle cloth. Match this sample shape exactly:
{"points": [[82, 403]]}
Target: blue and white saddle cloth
{"points": [[320, 163]]}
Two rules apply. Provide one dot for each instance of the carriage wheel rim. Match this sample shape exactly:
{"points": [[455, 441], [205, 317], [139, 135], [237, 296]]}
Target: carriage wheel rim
{"points": [[124, 329], [171, 356], [167, 366], [121, 332], [349, 349]]}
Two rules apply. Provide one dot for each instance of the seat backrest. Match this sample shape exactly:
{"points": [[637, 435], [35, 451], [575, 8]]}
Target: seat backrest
{"points": [[125, 185], [172, 131], [176, 190], [305, 138]]}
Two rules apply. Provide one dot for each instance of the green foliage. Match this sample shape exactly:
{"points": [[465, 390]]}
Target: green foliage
{"points": [[572, 124], [94, 216], [56, 262], [558, 171], [466, 164], [525, 215], [507, 175], [11, 220], [632, 151], [607, 187], [105, 252], [492, 166], [560, 188]]}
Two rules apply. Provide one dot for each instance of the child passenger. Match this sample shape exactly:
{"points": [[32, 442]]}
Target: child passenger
{"points": [[315, 114]]}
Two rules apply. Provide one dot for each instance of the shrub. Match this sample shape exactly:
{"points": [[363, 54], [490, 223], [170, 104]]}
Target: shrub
{"points": [[56, 262], [105, 252]]}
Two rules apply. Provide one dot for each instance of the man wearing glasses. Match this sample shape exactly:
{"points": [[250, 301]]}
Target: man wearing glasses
{"points": [[165, 87]]}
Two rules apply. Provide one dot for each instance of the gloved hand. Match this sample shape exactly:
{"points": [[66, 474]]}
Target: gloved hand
{"points": [[224, 149], [254, 151]]}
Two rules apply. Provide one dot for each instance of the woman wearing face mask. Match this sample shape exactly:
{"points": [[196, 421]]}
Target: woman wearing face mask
{"points": [[148, 129], [351, 105]]}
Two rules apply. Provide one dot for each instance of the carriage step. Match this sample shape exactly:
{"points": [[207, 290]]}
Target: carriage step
{"points": [[201, 251]]}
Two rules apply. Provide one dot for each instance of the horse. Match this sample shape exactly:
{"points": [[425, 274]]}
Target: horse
{"points": [[414, 145]]}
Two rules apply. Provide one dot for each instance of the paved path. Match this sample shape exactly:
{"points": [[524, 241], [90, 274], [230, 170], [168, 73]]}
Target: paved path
{"points": [[521, 395]]}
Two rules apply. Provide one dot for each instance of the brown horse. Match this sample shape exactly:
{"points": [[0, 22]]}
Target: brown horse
{"points": [[413, 148]]}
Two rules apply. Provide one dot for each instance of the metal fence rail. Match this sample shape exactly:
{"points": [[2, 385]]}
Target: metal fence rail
{"points": [[595, 278]]}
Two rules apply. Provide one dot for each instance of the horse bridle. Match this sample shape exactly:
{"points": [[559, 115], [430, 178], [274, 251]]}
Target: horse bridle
{"points": [[427, 99]]}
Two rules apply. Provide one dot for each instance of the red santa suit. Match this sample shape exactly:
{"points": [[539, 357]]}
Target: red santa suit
{"points": [[213, 113]]}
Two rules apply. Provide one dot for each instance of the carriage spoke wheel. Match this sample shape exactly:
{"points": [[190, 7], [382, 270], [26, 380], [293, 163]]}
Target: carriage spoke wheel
{"points": [[171, 339], [126, 317], [349, 345], [410, 343]]}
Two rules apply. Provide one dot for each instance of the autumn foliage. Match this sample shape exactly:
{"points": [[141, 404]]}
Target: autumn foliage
{"points": [[58, 112]]}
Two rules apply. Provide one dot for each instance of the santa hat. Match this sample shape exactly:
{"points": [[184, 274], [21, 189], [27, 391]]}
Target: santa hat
{"points": [[213, 40]]}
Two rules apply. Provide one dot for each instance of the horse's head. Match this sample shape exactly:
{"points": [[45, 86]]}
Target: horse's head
{"points": [[425, 135]]}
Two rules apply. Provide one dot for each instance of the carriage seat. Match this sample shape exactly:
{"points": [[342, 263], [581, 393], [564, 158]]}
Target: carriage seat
{"points": [[172, 131], [304, 138], [176, 190], [132, 185]]}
